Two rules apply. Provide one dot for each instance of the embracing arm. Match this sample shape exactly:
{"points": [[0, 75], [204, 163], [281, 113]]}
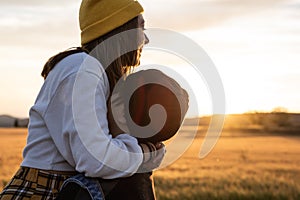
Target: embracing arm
{"points": [[77, 121], [153, 153]]}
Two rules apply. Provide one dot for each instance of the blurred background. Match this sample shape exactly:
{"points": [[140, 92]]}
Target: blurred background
{"points": [[253, 44], [255, 47]]}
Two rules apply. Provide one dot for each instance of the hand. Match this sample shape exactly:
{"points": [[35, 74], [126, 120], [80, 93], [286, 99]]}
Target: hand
{"points": [[159, 145], [153, 156]]}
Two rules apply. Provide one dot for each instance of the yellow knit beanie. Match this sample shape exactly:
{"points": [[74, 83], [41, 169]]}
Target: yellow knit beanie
{"points": [[98, 17]]}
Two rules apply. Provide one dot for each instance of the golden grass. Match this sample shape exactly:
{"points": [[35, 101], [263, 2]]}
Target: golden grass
{"points": [[250, 167], [12, 142]]}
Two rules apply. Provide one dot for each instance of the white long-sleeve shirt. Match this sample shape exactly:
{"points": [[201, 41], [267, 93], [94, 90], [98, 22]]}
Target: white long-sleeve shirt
{"points": [[68, 127]]}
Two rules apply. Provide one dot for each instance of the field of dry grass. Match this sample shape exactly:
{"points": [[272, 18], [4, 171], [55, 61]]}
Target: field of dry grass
{"points": [[241, 167], [12, 142]]}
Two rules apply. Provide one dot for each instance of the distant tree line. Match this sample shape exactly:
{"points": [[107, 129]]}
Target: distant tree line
{"points": [[278, 116], [9, 121]]}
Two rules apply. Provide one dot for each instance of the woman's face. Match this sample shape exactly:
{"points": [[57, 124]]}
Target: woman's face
{"points": [[142, 37], [133, 37], [141, 25]]}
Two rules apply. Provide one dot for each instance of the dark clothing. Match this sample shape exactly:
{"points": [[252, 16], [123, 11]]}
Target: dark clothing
{"points": [[137, 187]]}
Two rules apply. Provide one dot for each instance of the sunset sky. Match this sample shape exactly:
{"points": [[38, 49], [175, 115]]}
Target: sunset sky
{"points": [[254, 45]]}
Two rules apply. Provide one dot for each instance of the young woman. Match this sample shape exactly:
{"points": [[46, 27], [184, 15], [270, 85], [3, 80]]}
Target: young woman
{"points": [[68, 130]]}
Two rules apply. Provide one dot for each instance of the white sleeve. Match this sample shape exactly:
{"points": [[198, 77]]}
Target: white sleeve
{"points": [[77, 121]]}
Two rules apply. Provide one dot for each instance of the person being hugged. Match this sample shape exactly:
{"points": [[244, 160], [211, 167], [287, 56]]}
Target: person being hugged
{"points": [[129, 111]]}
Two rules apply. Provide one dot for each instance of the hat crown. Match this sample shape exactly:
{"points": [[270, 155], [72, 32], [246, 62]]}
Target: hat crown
{"points": [[98, 17]]}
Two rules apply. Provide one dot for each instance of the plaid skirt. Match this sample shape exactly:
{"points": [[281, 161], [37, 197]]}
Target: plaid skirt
{"points": [[34, 184]]}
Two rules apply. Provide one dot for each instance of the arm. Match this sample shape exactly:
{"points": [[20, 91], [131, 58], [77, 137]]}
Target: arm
{"points": [[152, 154], [77, 121]]}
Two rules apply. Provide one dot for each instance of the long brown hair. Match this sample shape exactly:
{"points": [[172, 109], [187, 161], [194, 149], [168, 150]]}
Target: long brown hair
{"points": [[51, 63], [123, 64]]}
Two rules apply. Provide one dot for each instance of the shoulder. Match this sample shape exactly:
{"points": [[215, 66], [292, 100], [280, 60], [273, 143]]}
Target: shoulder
{"points": [[76, 63], [70, 68], [90, 64]]}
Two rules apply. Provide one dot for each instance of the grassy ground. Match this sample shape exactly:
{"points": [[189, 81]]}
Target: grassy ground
{"points": [[12, 142], [240, 167]]}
